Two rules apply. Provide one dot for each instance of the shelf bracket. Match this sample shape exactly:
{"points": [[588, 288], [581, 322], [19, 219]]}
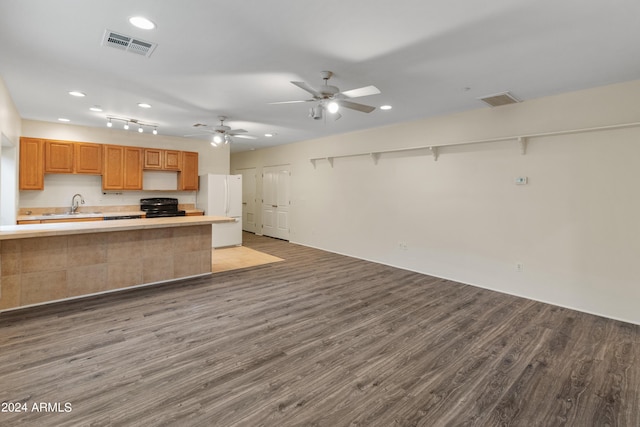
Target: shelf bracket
{"points": [[330, 160], [313, 162], [434, 151], [375, 157], [523, 145]]}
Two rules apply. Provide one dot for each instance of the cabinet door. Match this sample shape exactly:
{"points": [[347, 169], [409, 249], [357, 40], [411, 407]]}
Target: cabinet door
{"points": [[133, 160], [171, 160], [113, 168], [58, 156], [88, 158], [31, 173], [188, 176], [153, 158]]}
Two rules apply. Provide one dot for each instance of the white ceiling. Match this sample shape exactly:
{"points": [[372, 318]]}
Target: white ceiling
{"points": [[235, 57]]}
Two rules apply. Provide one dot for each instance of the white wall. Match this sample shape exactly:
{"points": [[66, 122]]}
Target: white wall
{"points": [[10, 128], [574, 227], [59, 188]]}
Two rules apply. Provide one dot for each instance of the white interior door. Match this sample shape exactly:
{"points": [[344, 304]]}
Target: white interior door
{"points": [[248, 199], [276, 201]]}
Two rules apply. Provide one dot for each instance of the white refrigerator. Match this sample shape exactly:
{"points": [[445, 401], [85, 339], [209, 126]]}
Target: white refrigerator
{"points": [[221, 195]]}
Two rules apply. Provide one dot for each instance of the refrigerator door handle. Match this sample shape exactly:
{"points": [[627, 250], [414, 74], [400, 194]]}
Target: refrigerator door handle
{"points": [[226, 196]]}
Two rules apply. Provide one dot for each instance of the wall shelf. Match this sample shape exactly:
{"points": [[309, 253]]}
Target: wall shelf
{"points": [[522, 140]]}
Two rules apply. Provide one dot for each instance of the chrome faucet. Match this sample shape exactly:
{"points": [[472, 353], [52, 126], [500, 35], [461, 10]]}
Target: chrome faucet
{"points": [[74, 203]]}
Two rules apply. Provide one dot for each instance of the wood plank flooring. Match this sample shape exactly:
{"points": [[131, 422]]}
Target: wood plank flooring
{"points": [[318, 339], [233, 258]]}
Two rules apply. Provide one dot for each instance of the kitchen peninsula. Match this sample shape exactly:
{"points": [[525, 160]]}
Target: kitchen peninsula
{"points": [[41, 263]]}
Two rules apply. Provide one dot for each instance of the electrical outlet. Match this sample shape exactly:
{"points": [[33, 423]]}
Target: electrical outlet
{"points": [[519, 267]]}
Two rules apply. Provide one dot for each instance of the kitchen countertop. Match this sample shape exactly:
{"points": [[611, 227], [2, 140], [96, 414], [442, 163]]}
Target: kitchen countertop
{"points": [[37, 217], [8, 232]]}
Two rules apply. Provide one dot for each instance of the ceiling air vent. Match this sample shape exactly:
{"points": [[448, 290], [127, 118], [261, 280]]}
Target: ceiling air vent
{"points": [[504, 98], [128, 43]]}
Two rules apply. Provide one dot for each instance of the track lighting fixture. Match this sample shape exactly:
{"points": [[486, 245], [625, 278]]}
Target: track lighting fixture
{"points": [[141, 125]]}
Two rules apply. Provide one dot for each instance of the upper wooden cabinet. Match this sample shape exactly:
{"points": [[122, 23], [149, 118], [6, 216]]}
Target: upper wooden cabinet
{"points": [[158, 159], [31, 173], [188, 176], [58, 156], [88, 158], [122, 168], [72, 157]]}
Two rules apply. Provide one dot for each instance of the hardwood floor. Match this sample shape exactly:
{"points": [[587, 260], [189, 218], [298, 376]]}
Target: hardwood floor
{"points": [[318, 339], [233, 258]]}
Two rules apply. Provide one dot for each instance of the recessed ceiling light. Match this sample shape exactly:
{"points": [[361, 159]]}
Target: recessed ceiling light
{"points": [[96, 109], [142, 22], [386, 107], [144, 105], [77, 93], [61, 119]]}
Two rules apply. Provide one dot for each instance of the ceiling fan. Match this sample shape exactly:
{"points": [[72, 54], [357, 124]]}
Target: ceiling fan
{"points": [[222, 134], [330, 98]]}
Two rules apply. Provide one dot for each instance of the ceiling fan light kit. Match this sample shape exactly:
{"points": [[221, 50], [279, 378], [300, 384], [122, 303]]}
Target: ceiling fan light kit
{"points": [[222, 133], [331, 99]]}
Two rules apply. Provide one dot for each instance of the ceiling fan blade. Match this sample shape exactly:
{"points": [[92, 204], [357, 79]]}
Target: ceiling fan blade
{"points": [[231, 132], [305, 86], [195, 134], [245, 136], [355, 106], [362, 91], [291, 102]]}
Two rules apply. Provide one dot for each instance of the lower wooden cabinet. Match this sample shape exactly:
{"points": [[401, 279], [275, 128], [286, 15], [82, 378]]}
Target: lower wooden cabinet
{"points": [[49, 221]]}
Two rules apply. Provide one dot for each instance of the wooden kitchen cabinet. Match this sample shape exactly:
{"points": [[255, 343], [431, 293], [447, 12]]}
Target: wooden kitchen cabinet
{"points": [[58, 156], [158, 159], [133, 168], [31, 173], [53, 221], [122, 168], [72, 157], [88, 158], [188, 175], [153, 158], [172, 160], [56, 220]]}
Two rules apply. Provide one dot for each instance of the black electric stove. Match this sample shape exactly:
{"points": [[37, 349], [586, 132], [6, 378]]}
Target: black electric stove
{"points": [[160, 207]]}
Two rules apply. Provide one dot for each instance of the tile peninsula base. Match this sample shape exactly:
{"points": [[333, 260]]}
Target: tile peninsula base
{"points": [[43, 269]]}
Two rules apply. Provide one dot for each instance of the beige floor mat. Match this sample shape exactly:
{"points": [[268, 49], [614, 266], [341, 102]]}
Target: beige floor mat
{"points": [[224, 259]]}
